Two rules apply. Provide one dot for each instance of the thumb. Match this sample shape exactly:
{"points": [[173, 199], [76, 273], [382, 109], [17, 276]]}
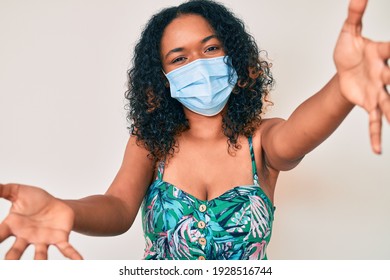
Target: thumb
{"points": [[9, 191]]}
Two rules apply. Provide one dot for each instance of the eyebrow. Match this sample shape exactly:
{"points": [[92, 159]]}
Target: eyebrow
{"points": [[204, 40]]}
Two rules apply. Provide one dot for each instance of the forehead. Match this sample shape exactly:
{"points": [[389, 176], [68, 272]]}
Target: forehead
{"points": [[184, 30]]}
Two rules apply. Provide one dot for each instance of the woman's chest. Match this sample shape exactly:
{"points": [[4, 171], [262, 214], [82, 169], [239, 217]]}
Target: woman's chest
{"points": [[239, 210], [208, 173]]}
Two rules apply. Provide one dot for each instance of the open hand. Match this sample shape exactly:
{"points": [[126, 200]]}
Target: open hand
{"points": [[363, 71], [36, 218]]}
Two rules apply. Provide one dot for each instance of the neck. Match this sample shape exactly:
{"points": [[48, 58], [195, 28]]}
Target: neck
{"points": [[204, 128]]}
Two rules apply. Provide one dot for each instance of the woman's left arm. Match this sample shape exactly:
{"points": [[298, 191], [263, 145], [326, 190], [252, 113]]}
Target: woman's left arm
{"points": [[361, 79]]}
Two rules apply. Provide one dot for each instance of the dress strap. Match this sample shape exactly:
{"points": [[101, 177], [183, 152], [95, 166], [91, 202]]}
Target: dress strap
{"points": [[160, 170], [254, 168]]}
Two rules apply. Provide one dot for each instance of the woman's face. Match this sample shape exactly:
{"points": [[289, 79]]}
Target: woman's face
{"points": [[188, 38]]}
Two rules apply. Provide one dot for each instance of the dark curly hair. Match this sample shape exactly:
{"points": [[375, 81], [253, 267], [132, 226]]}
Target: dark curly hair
{"points": [[156, 119]]}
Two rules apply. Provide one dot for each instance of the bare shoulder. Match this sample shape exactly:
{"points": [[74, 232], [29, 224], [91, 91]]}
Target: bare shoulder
{"points": [[263, 132], [136, 162], [272, 143], [267, 124], [136, 153], [134, 176]]}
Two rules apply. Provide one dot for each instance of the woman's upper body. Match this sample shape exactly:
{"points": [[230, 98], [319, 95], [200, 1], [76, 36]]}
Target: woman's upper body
{"points": [[205, 156], [236, 224]]}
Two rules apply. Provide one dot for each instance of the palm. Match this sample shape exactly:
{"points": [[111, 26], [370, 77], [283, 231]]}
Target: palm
{"points": [[39, 223], [36, 218], [362, 70]]}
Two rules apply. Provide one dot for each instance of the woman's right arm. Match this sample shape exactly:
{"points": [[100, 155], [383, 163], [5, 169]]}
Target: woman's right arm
{"points": [[37, 218], [114, 212]]}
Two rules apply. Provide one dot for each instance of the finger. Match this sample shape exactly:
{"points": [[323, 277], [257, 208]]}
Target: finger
{"points": [[17, 249], [386, 75], [356, 10], [68, 251], [5, 232], [40, 252], [384, 50], [384, 103], [375, 120], [9, 191]]}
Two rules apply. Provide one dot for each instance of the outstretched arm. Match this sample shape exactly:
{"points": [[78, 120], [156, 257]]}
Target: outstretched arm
{"points": [[37, 218], [361, 79], [114, 212]]}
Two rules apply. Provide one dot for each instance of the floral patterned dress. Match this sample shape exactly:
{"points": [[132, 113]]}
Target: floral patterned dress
{"points": [[237, 225]]}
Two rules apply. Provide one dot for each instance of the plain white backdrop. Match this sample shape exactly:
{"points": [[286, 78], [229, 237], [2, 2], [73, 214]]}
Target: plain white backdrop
{"points": [[63, 124]]}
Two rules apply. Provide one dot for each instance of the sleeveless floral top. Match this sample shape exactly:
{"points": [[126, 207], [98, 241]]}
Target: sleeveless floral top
{"points": [[236, 225]]}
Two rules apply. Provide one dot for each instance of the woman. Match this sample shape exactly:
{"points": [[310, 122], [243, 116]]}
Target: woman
{"points": [[196, 144]]}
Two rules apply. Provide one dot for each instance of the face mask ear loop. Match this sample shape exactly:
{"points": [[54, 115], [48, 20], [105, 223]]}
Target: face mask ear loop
{"points": [[166, 81]]}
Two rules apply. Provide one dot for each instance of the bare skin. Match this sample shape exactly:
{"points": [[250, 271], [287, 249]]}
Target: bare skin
{"points": [[38, 218]]}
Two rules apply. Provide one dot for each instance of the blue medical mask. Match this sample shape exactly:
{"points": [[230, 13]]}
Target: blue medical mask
{"points": [[203, 85]]}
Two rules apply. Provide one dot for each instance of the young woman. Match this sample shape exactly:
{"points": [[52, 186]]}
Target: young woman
{"points": [[201, 162]]}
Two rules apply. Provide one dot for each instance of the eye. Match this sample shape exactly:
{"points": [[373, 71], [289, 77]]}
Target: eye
{"points": [[212, 48], [178, 59]]}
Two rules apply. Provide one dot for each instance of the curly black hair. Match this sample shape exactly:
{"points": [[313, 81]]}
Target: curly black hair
{"points": [[156, 119]]}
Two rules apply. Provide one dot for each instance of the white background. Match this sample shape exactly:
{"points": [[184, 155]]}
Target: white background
{"points": [[63, 124]]}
